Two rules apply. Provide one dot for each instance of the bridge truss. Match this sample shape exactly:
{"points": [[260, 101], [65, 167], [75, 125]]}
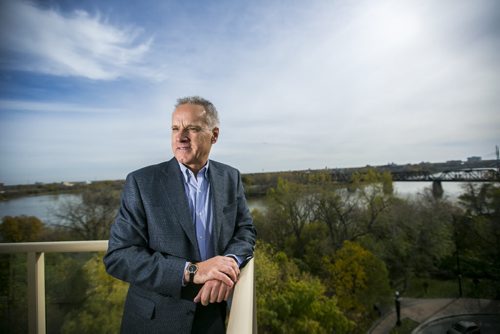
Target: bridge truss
{"points": [[469, 175]]}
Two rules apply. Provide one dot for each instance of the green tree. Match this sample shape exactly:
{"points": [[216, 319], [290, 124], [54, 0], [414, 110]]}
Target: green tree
{"points": [[290, 209], [13, 311], [289, 301], [477, 232], [414, 237], [13, 308], [355, 211], [433, 233], [102, 309]]}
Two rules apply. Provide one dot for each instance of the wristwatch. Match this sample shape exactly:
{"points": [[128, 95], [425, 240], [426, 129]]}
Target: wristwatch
{"points": [[192, 269]]}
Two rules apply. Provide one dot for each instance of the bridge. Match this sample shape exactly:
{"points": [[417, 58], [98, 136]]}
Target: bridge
{"points": [[459, 175]]}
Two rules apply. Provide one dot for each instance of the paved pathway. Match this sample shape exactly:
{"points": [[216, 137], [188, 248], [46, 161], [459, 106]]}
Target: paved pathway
{"points": [[422, 310]]}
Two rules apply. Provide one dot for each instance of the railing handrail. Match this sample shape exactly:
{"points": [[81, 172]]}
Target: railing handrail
{"points": [[242, 318], [55, 247]]}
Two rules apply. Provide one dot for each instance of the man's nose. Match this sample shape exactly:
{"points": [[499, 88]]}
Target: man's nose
{"points": [[182, 135]]}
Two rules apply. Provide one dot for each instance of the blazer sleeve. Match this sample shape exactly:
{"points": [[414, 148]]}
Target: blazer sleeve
{"points": [[129, 258], [242, 243]]}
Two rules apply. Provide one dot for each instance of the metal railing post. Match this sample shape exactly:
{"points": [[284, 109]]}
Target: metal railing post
{"points": [[36, 292]]}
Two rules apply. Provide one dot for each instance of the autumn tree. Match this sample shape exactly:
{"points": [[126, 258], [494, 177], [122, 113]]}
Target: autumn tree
{"points": [[359, 280], [20, 229]]}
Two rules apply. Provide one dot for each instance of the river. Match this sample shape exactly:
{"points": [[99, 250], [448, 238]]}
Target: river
{"points": [[44, 206]]}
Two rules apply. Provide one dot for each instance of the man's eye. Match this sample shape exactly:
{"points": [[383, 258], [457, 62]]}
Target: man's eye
{"points": [[193, 129]]}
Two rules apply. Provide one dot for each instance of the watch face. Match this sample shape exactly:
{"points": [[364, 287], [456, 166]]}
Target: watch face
{"points": [[192, 268]]}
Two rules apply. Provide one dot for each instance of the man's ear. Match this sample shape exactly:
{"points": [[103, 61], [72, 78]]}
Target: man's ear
{"points": [[215, 135]]}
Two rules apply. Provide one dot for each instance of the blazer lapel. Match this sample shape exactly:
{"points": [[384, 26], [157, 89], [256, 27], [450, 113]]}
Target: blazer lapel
{"points": [[176, 195]]}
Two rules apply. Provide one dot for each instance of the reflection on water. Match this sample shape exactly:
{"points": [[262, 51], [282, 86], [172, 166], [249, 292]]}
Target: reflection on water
{"points": [[41, 207], [256, 203]]}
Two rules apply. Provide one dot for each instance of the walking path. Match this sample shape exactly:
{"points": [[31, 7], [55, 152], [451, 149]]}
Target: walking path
{"points": [[423, 310]]}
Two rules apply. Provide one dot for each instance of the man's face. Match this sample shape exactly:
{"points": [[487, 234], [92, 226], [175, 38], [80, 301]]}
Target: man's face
{"points": [[191, 137]]}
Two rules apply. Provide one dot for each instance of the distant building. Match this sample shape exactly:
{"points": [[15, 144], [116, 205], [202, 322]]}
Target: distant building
{"points": [[474, 159]]}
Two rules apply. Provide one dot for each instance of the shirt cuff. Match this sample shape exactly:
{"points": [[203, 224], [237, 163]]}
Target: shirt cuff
{"points": [[238, 259]]}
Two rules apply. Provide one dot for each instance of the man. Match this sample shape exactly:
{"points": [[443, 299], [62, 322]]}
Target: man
{"points": [[182, 232]]}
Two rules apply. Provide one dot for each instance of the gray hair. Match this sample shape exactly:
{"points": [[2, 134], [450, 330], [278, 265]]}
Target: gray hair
{"points": [[212, 116]]}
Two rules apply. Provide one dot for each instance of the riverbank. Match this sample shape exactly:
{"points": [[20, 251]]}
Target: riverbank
{"points": [[39, 189]]}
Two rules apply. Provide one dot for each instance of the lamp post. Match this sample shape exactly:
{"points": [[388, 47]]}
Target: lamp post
{"points": [[457, 255], [397, 301]]}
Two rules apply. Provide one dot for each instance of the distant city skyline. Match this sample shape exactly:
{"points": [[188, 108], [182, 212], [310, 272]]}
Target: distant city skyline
{"points": [[87, 88]]}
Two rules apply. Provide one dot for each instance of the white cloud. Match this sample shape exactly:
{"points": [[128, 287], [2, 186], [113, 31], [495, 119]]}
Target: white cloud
{"points": [[306, 85], [13, 105], [76, 44], [377, 82]]}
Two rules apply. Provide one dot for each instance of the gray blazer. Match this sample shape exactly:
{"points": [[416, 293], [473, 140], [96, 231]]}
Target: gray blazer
{"points": [[153, 236]]}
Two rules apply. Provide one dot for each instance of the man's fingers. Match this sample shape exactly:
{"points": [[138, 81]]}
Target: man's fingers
{"points": [[224, 279], [208, 269], [198, 296], [213, 291], [205, 296], [222, 293]]}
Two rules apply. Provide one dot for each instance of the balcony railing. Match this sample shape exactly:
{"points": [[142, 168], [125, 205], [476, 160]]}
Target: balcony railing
{"points": [[242, 318]]}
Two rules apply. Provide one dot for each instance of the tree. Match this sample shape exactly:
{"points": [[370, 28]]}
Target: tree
{"points": [[354, 211], [102, 309], [337, 209], [290, 208], [432, 239], [91, 218], [359, 280], [13, 272], [478, 231], [290, 301], [21, 228]]}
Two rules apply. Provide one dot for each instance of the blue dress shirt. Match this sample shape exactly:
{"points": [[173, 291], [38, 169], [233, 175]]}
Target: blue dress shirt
{"points": [[198, 194]]}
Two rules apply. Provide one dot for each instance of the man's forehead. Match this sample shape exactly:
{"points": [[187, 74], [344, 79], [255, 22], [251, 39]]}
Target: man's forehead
{"points": [[182, 120]]}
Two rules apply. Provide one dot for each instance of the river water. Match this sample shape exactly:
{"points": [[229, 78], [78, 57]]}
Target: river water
{"points": [[44, 206]]}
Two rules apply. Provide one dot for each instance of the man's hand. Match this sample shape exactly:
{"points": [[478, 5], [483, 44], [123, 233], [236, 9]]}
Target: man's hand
{"points": [[221, 268], [213, 291]]}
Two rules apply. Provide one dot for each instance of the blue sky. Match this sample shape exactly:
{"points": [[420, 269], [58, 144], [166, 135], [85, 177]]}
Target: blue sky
{"points": [[87, 87]]}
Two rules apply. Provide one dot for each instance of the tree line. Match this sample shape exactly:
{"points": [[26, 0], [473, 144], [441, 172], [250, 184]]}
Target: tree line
{"points": [[328, 259]]}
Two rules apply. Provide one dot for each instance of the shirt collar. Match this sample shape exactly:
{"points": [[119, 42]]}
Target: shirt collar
{"points": [[187, 173]]}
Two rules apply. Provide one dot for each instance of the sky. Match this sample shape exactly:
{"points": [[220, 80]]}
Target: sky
{"points": [[87, 88]]}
